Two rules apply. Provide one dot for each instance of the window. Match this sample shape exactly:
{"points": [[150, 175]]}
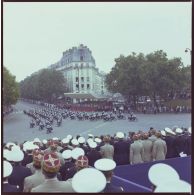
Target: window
{"points": [[82, 79], [81, 58], [77, 86], [82, 86], [88, 86], [88, 79]]}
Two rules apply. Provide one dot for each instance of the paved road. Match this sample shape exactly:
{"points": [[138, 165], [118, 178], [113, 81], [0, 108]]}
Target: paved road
{"points": [[16, 125]]}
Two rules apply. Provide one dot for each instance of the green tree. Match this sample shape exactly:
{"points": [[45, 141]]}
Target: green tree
{"points": [[10, 88]]}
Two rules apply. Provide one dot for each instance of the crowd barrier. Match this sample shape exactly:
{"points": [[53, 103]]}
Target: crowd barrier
{"points": [[134, 178]]}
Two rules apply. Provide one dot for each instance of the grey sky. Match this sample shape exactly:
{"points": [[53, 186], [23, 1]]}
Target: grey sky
{"points": [[36, 34]]}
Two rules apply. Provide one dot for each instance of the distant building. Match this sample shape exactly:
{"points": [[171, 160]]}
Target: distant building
{"points": [[80, 71]]}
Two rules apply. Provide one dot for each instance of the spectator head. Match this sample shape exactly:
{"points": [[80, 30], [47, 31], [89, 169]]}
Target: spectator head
{"points": [[65, 142], [106, 166], [106, 139], [53, 145], [93, 145], [81, 140], [81, 162], [67, 154], [50, 165], [158, 134], [120, 135], [145, 135], [37, 158], [135, 137], [152, 131]]}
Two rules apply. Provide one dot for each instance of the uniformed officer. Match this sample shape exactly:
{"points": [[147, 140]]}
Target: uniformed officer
{"points": [[159, 149], [7, 170], [107, 150], [37, 178], [106, 166], [147, 147], [93, 155], [64, 169], [50, 167], [136, 151], [89, 180], [121, 150], [82, 145], [19, 172]]}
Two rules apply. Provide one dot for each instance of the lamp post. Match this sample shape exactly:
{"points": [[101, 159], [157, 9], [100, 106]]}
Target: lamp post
{"points": [[189, 50]]}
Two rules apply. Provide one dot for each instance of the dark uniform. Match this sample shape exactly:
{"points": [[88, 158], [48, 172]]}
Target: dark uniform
{"points": [[112, 188], [65, 170], [9, 188], [121, 152], [92, 156], [179, 144], [18, 175], [28, 158], [171, 152]]}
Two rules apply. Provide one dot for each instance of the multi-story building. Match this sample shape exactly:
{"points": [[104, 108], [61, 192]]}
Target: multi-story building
{"points": [[80, 71]]}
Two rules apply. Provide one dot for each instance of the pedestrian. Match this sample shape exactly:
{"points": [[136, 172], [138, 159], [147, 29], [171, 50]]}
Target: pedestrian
{"points": [[50, 167], [107, 167], [107, 150], [147, 147], [37, 178]]}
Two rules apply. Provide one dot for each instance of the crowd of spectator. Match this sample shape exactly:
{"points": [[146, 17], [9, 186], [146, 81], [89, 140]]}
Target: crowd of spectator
{"points": [[59, 165]]}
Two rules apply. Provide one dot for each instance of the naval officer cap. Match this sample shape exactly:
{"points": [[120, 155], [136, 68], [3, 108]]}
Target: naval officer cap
{"points": [[16, 155], [37, 140], [89, 140], [178, 130], [67, 154], [161, 172], [105, 164], [174, 186], [120, 135], [75, 142], [7, 169], [190, 130], [76, 152], [90, 135], [44, 141], [92, 144], [81, 140], [7, 154], [65, 141], [98, 140], [10, 144], [69, 137], [89, 180], [163, 133], [168, 130]]}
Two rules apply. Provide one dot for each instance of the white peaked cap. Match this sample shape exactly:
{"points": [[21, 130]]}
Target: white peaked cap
{"points": [[163, 133], [65, 141], [92, 144], [174, 186], [76, 152], [16, 147], [74, 142], [67, 154], [55, 138], [190, 130], [90, 135], [17, 155], [37, 140], [7, 169], [161, 172], [98, 140], [105, 164], [29, 146], [178, 130], [81, 140], [120, 135], [89, 180], [7, 154], [89, 140], [168, 130], [10, 144], [44, 141], [69, 136]]}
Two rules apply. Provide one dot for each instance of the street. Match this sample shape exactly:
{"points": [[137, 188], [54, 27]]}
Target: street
{"points": [[16, 125]]}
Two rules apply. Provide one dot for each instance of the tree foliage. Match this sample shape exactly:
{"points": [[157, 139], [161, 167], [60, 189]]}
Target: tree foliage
{"points": [[47, 85], [151, 75], [10, 88]]}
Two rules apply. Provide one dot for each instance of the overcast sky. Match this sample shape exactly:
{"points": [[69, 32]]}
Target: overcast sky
{"points": [[36, 34]]}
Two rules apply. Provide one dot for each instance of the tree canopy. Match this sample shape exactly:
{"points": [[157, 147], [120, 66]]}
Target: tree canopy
{"points": [[46, 84], [10, 88], [147, 75]]}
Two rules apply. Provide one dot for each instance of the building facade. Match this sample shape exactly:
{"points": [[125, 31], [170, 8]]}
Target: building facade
{"points": [[80, 71]]}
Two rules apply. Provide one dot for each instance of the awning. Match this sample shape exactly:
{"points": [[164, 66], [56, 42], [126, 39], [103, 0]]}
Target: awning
{"points": [[83, 96]]}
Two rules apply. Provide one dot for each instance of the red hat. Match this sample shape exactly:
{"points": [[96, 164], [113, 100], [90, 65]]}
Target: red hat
{"points": [[82, 161], [51, 163], [37, 157]]}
